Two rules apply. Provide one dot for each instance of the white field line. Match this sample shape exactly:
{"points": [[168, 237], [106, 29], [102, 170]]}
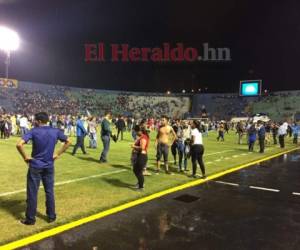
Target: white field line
{"points": [[253, 187], [67, 182], [227, 183], [228, 158], [219, 152], [265, 189]]}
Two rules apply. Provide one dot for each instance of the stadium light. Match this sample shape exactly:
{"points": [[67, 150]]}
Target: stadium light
{"points": [[9, 41], [183, 91]]}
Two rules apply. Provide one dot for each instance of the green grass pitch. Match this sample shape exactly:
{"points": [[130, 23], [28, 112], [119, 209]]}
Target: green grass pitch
{"points": [[84, 187]]}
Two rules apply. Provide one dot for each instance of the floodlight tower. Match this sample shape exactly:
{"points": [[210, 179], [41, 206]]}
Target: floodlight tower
{"points": [[9, 41]]}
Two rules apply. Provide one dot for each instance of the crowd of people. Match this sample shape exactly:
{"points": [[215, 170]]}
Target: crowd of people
{"points": [[181, 138], [30, 98]]}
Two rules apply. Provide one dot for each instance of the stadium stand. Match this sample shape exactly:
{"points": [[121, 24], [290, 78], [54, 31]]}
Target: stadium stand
{"points": [[30, 98], [277, 105]]}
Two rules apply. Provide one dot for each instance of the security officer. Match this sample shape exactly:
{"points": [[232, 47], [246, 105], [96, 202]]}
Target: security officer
{"points": [[41, 164]]}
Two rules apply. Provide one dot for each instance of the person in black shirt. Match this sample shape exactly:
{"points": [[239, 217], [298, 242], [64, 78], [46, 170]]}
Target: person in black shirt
{"points": [[268, 133], [129, 124], [60, 123], [226, 127], [240, 131], [289, 130], [105, 136], [261, 136], [2, 127], [251, 137], [120, 124], [174, 146], [274, 130]]}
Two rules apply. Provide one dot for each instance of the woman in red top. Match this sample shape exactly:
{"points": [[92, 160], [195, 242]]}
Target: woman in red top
{"points": [[141, 147]]}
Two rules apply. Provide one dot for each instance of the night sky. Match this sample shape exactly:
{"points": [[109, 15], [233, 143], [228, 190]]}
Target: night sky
{"points": [[263, 37]]}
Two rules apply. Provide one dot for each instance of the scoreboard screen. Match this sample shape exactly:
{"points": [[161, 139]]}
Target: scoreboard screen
{"points": [[250, 88]]}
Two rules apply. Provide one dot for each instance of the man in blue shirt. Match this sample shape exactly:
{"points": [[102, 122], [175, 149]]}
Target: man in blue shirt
{"points": [[41, 164], [296, 131], [81, 133]]}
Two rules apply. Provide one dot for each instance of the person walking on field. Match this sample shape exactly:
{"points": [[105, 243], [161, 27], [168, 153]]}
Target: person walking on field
{"points": [[197, 149], [221, 132], [81, 133], [92, 131]]}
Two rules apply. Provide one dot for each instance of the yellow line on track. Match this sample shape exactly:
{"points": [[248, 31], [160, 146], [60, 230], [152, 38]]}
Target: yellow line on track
{"points": [[54, 231]]}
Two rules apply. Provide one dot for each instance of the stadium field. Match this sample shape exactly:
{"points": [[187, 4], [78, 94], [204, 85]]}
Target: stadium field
{"points": [[84, 187]]}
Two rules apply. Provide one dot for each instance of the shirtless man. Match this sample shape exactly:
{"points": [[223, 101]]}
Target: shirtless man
{"points": [[162, 142]]}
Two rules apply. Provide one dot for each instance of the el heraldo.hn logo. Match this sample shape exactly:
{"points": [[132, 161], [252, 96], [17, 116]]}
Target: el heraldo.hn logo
{"points": [[101, 52]]}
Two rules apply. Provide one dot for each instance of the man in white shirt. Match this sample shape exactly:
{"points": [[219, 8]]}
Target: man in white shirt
{"points": [[24, 126], [282, 131]]}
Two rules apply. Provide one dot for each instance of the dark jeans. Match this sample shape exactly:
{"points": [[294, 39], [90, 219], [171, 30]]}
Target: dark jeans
{"points": [[174, 150], [34, 176], [120, 131], [79, 144], [251, 145], [281, 141], [134, 135], [295, 140], [275, 139], [221, 135], [261, 144], [7, 133], [197, 152], [162, 151], [2, 133], [24, 131], [180, 148], [106, 142], [138, 167], [129, 126], [93, 140]]}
